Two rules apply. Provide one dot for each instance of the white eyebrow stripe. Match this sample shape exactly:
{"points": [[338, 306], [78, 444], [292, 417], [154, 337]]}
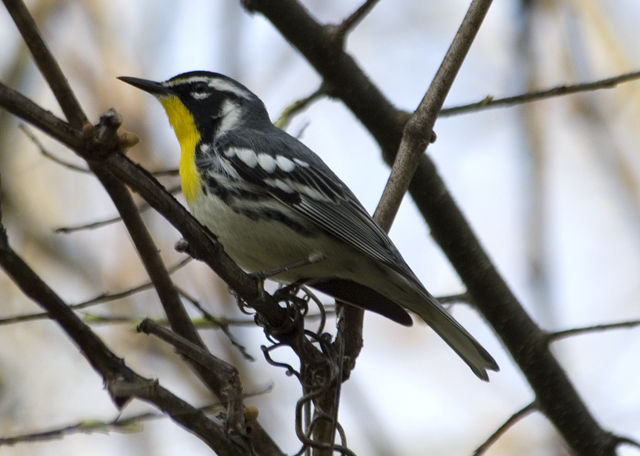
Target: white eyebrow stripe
{"points": [[213, 82], [226, 86]]}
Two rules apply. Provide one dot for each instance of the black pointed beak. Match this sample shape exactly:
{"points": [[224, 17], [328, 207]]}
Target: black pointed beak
{"points": [[152, 87]]}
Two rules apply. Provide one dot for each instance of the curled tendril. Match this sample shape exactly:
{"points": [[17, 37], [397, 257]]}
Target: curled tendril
{"points": [[320, 371], [289, 369]]}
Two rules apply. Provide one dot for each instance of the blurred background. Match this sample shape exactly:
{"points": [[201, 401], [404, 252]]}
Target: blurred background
{"points": [[552, 189]]}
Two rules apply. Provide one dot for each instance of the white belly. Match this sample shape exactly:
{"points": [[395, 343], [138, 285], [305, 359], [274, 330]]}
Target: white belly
{"points": [[264, 244]]}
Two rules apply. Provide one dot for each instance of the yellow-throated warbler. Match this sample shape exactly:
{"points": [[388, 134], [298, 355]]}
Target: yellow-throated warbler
{"points": [[272, 202]]}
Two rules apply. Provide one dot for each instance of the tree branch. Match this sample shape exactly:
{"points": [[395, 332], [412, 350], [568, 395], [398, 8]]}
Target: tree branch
{"points": [[490, 102], [513, 419], [122, 383], [46, 63], [557, 335], [417, 130]]}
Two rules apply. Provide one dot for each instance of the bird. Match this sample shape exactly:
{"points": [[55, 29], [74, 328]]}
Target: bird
{"points": [[274, 205]]}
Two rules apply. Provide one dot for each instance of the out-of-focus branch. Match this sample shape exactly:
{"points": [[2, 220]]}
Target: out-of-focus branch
{"points": [[557, 335], [43, 150], [351, 21], [106, 132], [119, 424], [108, 221], [490, 102], [46, 63], [513, 419], [296, 107], [104, 297]]}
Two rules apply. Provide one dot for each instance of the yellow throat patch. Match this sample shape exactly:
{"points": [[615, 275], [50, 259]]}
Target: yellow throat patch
{"points": [[188, 136]]}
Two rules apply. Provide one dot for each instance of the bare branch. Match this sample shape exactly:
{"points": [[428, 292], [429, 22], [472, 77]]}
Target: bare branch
{"points": [[513, 419], [102, 223], [490, 102], [298, 106], [219, 323], [628, 441], [417, 130], [229, 387], [118, 424], [46, 63], [27, 131], [350, 22], [122, 383], [556, 335], [106, 133], [105, 297], [165, 172]]}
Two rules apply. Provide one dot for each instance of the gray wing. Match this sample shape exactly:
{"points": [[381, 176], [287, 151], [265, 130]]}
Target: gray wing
{"points": [[287, 170]]}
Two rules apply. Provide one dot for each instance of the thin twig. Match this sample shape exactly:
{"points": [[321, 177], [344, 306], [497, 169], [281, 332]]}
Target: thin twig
{"points": [[298, 106], [219, 323], [192, 351], [105, 297], [490, 102], [27, 131], [199, 323], [350, 22], [119, 424], [102, 223], [513, 419], [223, 378], [628, 441], [556, 335]]}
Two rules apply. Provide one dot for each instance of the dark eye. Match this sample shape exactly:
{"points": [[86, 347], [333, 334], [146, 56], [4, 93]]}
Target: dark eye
{"points": [[200, 90], [201, 87]]}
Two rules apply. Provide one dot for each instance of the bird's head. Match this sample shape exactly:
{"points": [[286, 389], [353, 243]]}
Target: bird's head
{"points": [[204, 104], [201, 106]]}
